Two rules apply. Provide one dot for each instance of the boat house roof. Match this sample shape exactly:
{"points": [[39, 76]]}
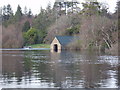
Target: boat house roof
{"points": [[64, 40]]}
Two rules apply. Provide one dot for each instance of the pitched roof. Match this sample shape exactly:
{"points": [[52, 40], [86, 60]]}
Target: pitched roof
{"points": [[64, 40]]}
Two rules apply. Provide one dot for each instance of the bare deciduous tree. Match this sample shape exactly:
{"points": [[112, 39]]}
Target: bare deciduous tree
{"points": [[96, 30]]}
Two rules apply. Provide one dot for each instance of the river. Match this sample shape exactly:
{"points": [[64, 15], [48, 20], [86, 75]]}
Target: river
{"points": [[68, 69]]}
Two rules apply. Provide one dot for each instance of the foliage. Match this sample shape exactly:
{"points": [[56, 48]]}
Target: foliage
{"points": [[29, 13], [7, 17], [72, 31], [41, 35], [64, 26], [66, 7], [58, 28], [40, 21], [96, 27], [30, 37], [43, 21], [26, 26], [7, 12], [18, 14], [91, 8]]}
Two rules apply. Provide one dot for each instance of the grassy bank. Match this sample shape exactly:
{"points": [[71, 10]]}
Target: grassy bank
{"points": [[40, 46]]}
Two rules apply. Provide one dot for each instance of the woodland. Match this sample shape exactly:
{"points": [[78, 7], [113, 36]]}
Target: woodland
{"points": [[93, 23]]}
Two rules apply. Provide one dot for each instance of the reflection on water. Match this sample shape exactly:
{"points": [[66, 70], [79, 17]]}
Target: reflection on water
{"points": [[42, 69]]}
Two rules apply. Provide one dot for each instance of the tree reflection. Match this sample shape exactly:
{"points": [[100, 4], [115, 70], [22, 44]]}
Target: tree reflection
{"points": [[76, 69], [12, 66], [65, 70], [0, 62], [119, 75]]}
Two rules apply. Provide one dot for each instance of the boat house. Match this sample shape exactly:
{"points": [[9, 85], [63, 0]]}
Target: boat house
{"points": [[60, 43]]}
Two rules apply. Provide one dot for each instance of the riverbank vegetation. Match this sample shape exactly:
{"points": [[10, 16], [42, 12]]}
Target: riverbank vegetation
{"points": [[96, 27], [40, 46]]}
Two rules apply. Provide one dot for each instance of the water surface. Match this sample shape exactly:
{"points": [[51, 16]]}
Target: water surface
{"points": [[68, 69]]}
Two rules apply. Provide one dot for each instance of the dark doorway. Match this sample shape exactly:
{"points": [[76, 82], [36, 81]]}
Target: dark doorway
{"points": [[55, 47]]}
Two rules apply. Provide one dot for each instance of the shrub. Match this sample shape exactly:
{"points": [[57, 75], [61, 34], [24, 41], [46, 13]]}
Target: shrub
{"points": [[30, 37]]}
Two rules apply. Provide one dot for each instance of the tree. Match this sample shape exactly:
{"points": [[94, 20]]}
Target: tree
{"points": [[58, 28], [4, 13], [18, 14], [65, 7], [12, 36], [25, 11], [26, 26], [30, 37], [72, 6], [72, 31], [29, 13], [49, 9], [97, 32], [7, 12], [118, 17], [42, 22], [91, 8], [118, 8], [0, 15], [104, 9]]}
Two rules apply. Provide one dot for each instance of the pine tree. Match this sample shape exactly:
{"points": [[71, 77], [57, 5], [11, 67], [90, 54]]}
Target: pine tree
{"points": [[29, 13], [7, 12], [4, 13], [18, 14]]}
